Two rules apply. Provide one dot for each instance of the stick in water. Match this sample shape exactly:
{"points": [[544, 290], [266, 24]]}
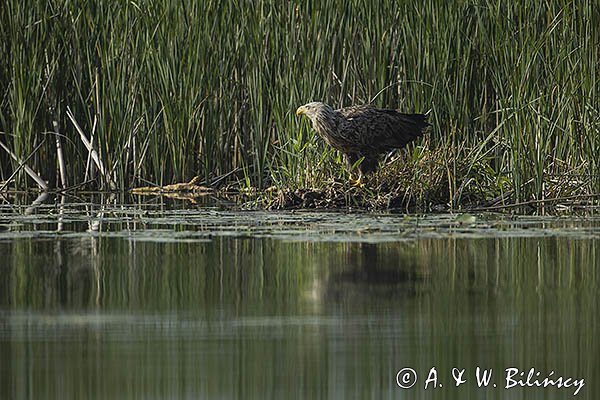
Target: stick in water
{"points": [[61, 160], [38, 179], [92, 151]]}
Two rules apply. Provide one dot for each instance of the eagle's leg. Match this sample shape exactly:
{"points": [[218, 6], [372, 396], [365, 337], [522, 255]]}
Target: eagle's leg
{"points": [[354, 162]]}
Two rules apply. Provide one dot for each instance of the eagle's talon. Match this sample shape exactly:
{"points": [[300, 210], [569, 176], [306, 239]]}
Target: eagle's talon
{"points": [[357, 182]]}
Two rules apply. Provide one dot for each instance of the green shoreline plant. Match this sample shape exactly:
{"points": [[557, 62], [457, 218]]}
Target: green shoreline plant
{"points": [[165, 91]]}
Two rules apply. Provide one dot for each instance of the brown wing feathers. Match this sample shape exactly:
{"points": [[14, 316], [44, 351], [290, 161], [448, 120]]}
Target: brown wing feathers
{"points": [[382, 130]]}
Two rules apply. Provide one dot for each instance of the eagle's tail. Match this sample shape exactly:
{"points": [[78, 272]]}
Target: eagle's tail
{"points": [[415, 122], [409, 127]]}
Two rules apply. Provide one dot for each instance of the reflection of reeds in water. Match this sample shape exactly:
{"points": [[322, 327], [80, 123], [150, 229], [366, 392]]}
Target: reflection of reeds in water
{"points": [[171, 91], [247, 273], [233, 312]]}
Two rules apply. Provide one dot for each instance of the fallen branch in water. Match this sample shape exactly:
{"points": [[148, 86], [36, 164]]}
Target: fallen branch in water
{"points": [[189, 187], [537, 202]]}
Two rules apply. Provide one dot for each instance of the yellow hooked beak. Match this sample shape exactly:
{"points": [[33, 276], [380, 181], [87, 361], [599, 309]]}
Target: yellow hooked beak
{"points": [[301, 110]]}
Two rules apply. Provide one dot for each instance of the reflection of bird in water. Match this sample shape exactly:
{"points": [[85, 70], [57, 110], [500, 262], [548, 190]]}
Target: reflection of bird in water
{"points": [[368, 273], [364, 132], [370, 265]]}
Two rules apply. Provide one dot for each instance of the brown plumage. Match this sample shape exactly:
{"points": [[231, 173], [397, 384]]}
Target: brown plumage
{"points": [[364, 131]]}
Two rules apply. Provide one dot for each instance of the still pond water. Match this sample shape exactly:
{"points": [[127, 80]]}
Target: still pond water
{"points": [[143, 301]]}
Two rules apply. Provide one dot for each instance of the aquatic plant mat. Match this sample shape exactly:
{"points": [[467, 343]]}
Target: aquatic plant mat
{"points": [[176, 221]]}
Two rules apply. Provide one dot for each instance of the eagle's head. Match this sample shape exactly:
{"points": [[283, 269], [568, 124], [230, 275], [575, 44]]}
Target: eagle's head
{"points": [[324, 119], [312, 109], [319, 113]]}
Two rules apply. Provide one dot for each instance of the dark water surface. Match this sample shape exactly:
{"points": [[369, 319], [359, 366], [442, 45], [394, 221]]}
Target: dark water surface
{"points": [[156, 301]]}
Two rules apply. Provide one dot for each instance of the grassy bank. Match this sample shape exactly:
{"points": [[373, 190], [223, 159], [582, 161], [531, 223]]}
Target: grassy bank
{"points": [[168, 91]]}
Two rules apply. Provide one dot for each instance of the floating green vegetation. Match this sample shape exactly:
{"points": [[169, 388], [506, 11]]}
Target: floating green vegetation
{"points": [[178, 223], [116, 95]]}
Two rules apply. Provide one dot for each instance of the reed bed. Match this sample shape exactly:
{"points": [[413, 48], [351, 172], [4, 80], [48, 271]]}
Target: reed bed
{"points": [[165, 91]]}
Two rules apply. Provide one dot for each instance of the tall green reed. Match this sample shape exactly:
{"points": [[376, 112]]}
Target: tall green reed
{"points": [[178, 89]]}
